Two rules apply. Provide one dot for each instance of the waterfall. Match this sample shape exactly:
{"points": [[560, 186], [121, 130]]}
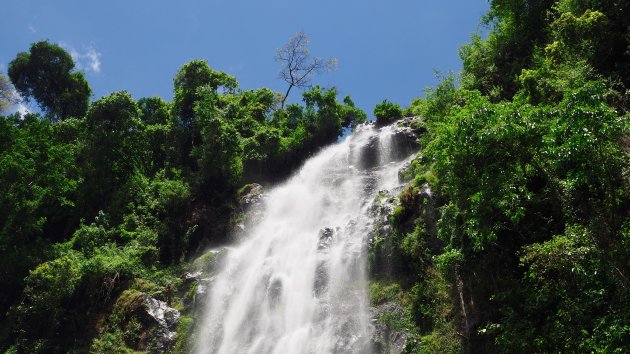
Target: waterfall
{"points": [[296, 283]]}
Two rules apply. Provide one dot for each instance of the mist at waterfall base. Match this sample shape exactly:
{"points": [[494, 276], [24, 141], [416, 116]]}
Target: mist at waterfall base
{"points": [[297, 282]]}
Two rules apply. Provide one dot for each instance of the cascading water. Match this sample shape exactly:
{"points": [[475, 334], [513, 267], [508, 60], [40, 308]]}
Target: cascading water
{"points": [[297, 282]]}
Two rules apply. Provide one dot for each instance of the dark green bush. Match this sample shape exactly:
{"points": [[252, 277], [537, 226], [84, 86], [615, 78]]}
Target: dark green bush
{"points": [[387, 112]]}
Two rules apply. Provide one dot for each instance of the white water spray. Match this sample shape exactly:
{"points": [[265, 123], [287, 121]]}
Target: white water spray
{"points": [[297, 282]]}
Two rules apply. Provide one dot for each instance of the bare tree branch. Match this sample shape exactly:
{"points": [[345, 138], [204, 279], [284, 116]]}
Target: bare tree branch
{"points": [[297, 67]]}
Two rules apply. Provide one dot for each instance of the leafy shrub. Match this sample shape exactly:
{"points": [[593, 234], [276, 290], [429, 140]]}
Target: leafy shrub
{"points": [[387, 112], [382, 292]]}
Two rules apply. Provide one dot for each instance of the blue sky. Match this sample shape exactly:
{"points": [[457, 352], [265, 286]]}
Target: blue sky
{"points": [[385, 49]]}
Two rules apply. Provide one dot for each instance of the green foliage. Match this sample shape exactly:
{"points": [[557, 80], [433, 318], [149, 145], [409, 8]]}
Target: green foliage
{"points": [[185, 335], [113, 148], [52, 282], [37, 194], [572, 34], [154, 111], [219, 155], [88, 238], [325, 118], [123, 328], [36, 174], [387, 112], [108, 200], [443, 340], [190, 82], [517, 28], [44, 74], [448, 263], [157, 134], [439, 101], [381, 293], [278, 143], [515, 174], [528, 162], [351, 116], [111, 342]]}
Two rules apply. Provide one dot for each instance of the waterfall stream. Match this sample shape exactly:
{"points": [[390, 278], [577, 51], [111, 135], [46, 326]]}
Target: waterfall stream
{"points": [[296, 283]]}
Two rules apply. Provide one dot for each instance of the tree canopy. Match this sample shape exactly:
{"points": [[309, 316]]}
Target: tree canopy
{"points": [[526, 157], [45, 75]]}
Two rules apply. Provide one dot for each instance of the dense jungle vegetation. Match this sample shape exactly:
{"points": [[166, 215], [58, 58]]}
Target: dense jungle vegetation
{"points": [[527, 158], [526, 155], [100, 196]]}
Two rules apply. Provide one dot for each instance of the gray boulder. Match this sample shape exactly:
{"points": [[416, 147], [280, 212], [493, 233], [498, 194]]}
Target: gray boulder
{"points": [[166, 319], [252, 208], [386, 339]]}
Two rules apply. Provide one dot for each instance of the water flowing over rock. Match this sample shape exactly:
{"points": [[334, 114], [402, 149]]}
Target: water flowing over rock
{"points": [[204, 274], [252, 208], [297, 280], [325, 238]]}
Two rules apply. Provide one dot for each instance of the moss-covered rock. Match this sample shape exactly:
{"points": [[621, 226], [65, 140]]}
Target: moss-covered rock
{"points": [[137, 323], [208, 262]]}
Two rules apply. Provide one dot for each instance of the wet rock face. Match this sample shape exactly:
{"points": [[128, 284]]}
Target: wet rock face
{"points": [[404, 141], [252, 197], [381, 246], [320, 286], [166, 319], [252, 208], [414, 124], [369, 154], [406, 171], [203, 274], [325, 238], [405, 138], [274, 292], [381, 210], [430, 217], [208, 262], [404, 174], [157, 321], [384, 338]]}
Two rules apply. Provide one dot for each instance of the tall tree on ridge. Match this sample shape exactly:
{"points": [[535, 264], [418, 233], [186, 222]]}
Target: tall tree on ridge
{"points": [[297, 67], [44, 74]]}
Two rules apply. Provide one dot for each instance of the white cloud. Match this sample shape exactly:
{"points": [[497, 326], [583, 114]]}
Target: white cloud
{"points": [[89, 59], [32, 28], [94, 60], [18, 105], [75, 56], [21, 108]]}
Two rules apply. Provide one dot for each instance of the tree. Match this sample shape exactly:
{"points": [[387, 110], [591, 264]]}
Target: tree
{"points": [[37, 194], [387, 112], [190, 79], [45, 75], [157, 127], [219, 155], [113, 148], [297, 67], [154, 110]]}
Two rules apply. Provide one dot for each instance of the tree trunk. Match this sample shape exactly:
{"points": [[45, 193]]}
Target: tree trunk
{"points": [[285, 96]]}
